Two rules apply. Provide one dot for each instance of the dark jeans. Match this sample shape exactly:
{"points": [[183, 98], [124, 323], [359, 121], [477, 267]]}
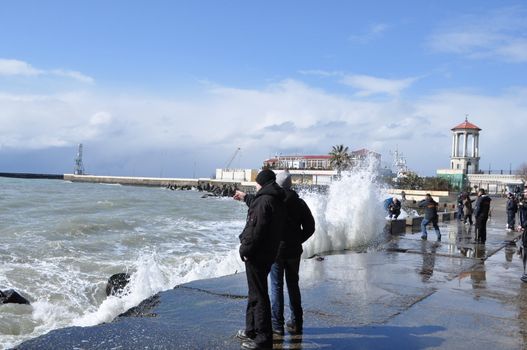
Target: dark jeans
{"points": [[469, 218], [481, 228], [290, 267], [434, 223], [511, 219], [258, 315], [460, 212], [523, 217]]}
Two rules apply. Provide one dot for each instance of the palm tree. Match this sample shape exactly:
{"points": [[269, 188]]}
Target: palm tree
{"points": [[340, 158]]}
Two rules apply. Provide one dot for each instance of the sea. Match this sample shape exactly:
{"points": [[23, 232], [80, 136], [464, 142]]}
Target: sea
{"points": [[60, 241]]}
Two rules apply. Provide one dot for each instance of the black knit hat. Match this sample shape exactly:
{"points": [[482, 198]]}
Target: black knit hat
{"points": [[265, 176]]}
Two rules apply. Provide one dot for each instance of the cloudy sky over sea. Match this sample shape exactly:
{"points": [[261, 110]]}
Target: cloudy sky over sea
{"points": [[172, 88]]}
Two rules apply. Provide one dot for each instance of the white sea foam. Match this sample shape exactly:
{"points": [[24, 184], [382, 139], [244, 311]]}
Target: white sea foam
{"points": [[351, 214], [152, 276]]}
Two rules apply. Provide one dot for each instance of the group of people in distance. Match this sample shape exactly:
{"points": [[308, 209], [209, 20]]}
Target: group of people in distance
{"points": [[516, 203], [480, 210], [465, 210], [278, 222]]}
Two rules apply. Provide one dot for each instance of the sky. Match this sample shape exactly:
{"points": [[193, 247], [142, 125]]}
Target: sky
{"points": [[173, 88]]}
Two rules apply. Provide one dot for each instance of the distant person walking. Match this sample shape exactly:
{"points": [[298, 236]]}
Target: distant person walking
{"points": [[512, 208], [299, 227], [467, 210], [460, 206], [522, 209], [430, 206], [260, 240], [481, 213]]}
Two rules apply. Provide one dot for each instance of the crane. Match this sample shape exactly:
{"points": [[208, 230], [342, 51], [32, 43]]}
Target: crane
{"points": [[232, 158]]}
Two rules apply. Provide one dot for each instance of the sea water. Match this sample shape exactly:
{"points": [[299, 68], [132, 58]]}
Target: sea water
{"points": [[61, 241]]}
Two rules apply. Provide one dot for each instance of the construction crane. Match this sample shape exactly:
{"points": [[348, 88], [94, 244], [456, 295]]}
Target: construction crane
{"points": [[232, 158]]}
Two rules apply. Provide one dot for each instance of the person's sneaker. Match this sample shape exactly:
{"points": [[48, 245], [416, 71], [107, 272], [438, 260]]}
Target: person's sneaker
{"points": [[524, 278], [293, 328], [423, 237], [251, 345], [244, 336]]}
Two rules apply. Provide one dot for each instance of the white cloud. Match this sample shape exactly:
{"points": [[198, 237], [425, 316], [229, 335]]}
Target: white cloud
{"points": [[289, 116], [10, 67], [15, 67], [373, 32], [320, 72], [499, 34], [369, 85], [73, 75]]}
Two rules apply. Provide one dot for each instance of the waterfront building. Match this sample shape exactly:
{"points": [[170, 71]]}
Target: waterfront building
{"points": [[239, 175], [319, 162], [317, 169]]}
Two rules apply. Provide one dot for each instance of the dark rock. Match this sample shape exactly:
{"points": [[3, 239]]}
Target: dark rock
{"points": [[116, 283], [144, 309], [10, 296]]}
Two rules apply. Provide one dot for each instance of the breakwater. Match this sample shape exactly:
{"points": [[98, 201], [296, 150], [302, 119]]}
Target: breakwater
{"points": [[33, 176], [173, 183]]}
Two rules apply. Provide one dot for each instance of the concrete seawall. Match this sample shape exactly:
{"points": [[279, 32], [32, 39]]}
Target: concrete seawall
{"points": [[158, 181]]}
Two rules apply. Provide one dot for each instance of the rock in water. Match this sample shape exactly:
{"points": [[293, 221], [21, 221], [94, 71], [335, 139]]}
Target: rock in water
{"points": [[116, 283], [10, 296]]}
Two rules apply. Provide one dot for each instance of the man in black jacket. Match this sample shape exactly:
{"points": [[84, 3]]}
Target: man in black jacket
{"points": [[260, 240], [512, 208], [300, 226], [481, 212], [430, 206]]}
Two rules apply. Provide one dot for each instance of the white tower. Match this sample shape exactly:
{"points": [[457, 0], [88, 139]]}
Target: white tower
{"points": [[399, 162], [79, 167], [465, 148]]}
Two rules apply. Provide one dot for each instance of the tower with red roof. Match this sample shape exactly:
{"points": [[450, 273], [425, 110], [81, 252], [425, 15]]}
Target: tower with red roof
{"points": [[465, 148]]}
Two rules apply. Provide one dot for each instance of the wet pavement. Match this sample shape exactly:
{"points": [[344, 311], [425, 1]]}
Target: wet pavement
{"points": [[404, 294]]}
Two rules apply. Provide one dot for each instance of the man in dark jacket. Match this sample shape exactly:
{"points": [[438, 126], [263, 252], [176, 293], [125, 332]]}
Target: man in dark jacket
{"points": [[299, 227], [522, 208], [394, 209], [481, 212], [512, 208], [260, 240], [430, 206]]}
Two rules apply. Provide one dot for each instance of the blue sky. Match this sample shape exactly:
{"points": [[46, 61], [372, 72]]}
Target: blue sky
{"points": [[172, 88]]}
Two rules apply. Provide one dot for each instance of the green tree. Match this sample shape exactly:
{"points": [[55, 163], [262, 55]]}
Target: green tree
{"points": [[411, 181], [339, 158], [436, 184]]}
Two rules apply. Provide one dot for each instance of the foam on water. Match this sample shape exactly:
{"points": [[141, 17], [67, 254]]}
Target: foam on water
{"points": [[152, 276], [350, 215]]}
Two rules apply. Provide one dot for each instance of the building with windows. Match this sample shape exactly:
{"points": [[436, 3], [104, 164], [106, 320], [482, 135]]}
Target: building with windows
{"points": [[319, 162], [317, 169], [308, 162]]}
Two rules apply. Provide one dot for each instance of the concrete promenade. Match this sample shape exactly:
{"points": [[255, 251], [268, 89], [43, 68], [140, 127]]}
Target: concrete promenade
{"points": [[403, 294]]}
